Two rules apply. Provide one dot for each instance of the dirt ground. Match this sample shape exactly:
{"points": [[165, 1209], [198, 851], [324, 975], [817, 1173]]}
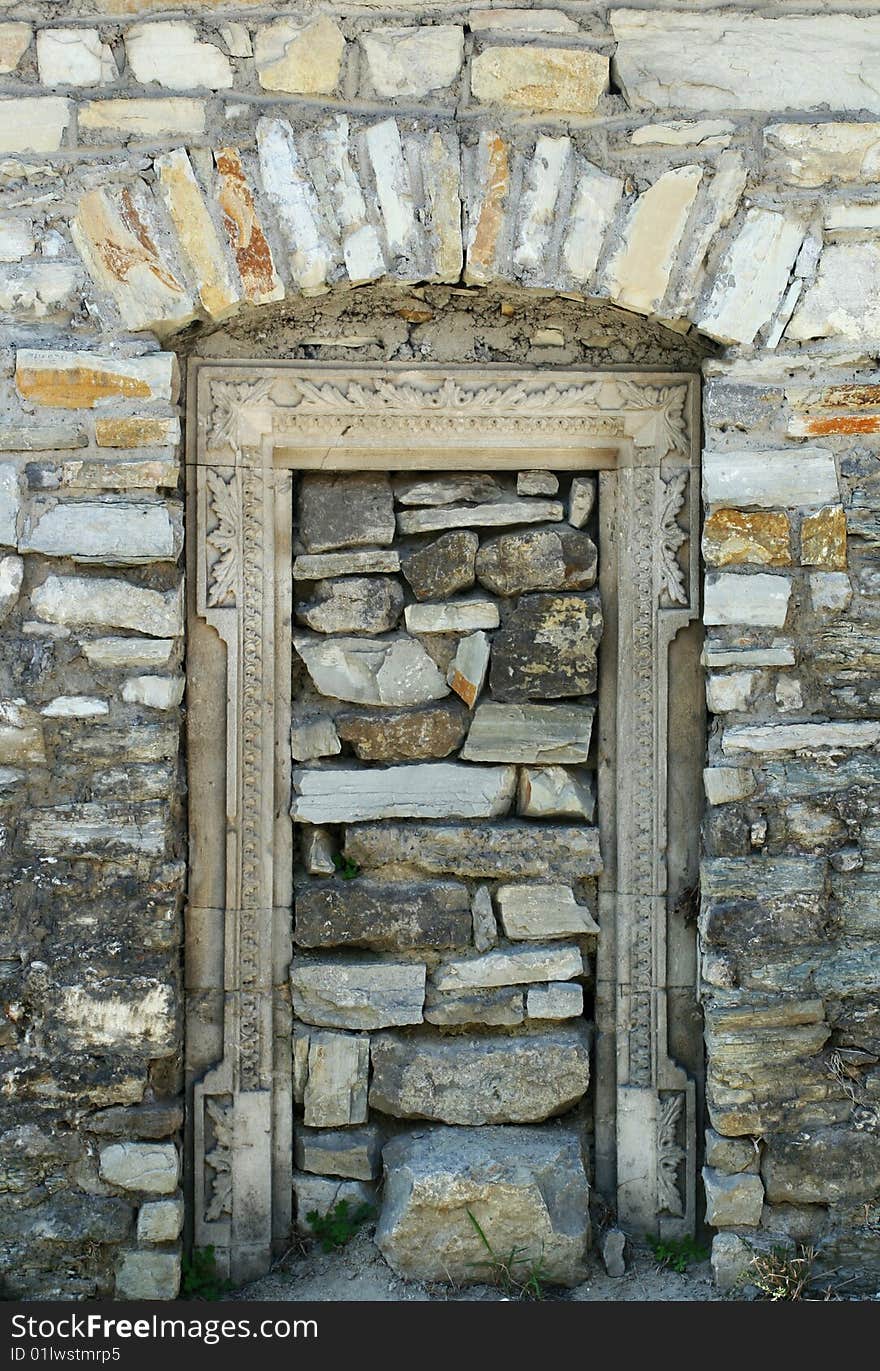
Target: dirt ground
{"points": [[359, 1272]]}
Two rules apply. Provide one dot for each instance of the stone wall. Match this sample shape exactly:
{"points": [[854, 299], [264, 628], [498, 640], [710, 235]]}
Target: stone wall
{"points": [[677, 164], [445, 894]]}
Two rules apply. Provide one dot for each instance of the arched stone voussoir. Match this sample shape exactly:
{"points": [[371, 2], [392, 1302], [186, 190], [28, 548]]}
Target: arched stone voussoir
{"points": [[213, 231]]}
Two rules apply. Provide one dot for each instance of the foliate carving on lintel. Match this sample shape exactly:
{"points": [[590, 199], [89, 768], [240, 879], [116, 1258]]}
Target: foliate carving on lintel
{"points": [[670, 1154], [448, 394], [233, 403], [671, 430]]}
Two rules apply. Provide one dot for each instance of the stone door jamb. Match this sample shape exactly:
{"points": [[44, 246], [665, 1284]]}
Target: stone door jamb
{"points": [[252, 424]]}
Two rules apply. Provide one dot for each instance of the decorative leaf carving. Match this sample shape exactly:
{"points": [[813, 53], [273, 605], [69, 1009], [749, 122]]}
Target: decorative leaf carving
{"points": [[672, 535], [220, 1160], [450, 395], [670, 1154], [223, 542]]}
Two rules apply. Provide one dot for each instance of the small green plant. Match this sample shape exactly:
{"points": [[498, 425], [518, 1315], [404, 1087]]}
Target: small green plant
{"points": [[782, 1275], [200, 1279], [517, 1274], [345, 867], [335, 1228], [677, 1253]]}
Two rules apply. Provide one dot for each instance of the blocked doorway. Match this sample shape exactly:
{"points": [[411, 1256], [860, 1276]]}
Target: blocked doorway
{"points": [[457, 836]]}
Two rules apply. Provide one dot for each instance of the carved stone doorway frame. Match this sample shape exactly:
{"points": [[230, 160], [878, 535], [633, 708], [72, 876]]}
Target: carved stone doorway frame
{"points": [[252, 425]]}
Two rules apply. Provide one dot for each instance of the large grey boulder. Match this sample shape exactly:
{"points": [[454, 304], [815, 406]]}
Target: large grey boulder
{"points": [[547, 648], [538, 559], [481, 1078], [526, 1188]]}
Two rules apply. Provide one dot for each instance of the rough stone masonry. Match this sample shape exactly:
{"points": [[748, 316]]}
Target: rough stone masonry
{"points": [[216, 178], [442, 701]]}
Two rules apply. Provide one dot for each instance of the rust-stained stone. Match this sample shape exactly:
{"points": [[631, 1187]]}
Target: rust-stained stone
{"points": [[823, 539], [115, 240], [82, 380], [196, 234], [405, 735], [840, 424], [732, 537], [556, 80], [253, 255], [484, 239], [139, 431]]}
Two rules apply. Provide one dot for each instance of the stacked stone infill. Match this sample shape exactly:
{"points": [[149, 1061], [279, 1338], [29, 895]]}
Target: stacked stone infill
{"points": [[789, 924], [445, 889], [92, 872]]}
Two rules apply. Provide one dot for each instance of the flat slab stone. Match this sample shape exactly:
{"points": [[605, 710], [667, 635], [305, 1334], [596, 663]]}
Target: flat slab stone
{"points": [[404, 736], [543, 911], [457, 616], [431, 790], [353, 604], [336, 1085], [352, 1152], [510, 966], [529, 733], [338, 511], [385, 917], [558, 1000], [448, 490], [333, 993], [527, 1188], [547, 648], [537, 559], [501, 1008], [483, 851], [315, 567], [443, 567], [478, 1079], [391, 671], [480, 516]]}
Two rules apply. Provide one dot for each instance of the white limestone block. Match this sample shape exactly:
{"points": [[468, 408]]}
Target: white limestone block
{"points": [[457, 616], [480, 516], [395, 671], [75, 707], [127, 652], [537, 913], [743, 61], [837, 736], [756, 601], [10, 504], [725, 784], [314, 738], [544, 180], [120, 533], [170, 53], [413, 61], [732, 690], [813, 154], [752, 277], [33, 123], [110, 603], [287, 184], [554, 792], [830, 591], [335, 1092], [556, 1000], [74, 57], [510, 966], [770, 478], [11, 576], [844, 300], [431, 790], [638, 274], [155, 692], [151, 1167]]}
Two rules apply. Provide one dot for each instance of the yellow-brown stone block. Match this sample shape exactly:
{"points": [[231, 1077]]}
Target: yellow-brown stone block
{"points": [[553, 80], [253, 255], [490, 217], [302, 61], [82, 380], [198, 238], [732, 537], [823, 539], [136, 432]]}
